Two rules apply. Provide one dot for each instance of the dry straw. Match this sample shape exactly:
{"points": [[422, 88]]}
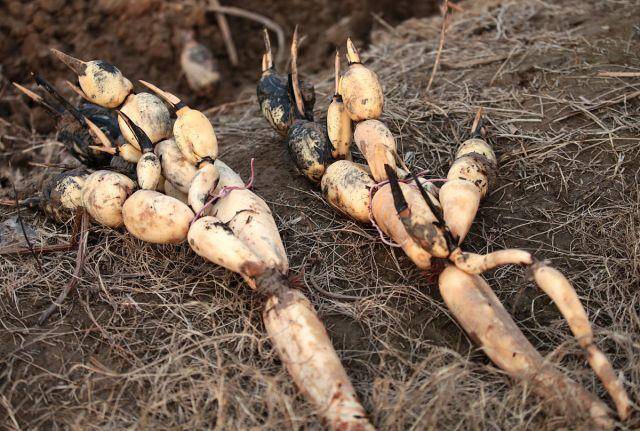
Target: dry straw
{"points": [[156, 338]]}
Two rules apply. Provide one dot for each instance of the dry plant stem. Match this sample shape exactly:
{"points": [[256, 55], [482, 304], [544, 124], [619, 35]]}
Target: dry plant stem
{"points": [[268, 54], [226, 33], [224, 106], [336, 75], [50, 165], [476, 121], [24, 232], [445, 9], [36, 98], [82, 250], [485, 319], [294, 73], [37, 250], [236, 11], [607, 74]]}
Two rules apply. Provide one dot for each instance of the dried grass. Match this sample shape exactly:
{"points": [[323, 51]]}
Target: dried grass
{"points": [[157, 338]]}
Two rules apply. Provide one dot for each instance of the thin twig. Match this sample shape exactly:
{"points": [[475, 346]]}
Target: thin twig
{"points": [[504, 63], [236, 11], [226, 33], [445, 9], [385, 24], [476, 120], [613, 101], [77, 272], [224, 106], [297, 94], [473, 62], [24, 232], [333, 295], [50, 165], [36, 250], [609, 74]]}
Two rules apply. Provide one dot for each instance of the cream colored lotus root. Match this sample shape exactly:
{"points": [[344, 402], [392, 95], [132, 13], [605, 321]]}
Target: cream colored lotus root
{"points": [[250, 219], [176, 169], [157, 218], [360, 88], [149, 171], [212, 239], [202, 185], [192, 130], [346, 187], [377, 145], [149, 113], [104, 194], [101, 82], [338, 121]]}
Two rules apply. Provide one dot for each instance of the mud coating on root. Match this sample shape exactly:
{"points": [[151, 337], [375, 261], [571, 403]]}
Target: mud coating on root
{"points": [[106, 67], [275, 103], [349, 185], [308, 97], [484, 166], [428, 235], [309, 148], [273, 283], [52, 191]]}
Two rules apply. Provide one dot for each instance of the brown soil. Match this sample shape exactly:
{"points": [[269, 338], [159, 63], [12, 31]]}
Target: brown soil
{"points": [[156, 338], [144, 38]]}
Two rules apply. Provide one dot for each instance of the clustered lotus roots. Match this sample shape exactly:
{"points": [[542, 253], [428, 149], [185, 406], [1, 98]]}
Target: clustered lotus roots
{"points": [[160, 177], [429, 222]]}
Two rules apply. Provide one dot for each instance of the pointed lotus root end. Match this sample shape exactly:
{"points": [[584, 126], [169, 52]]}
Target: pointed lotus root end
{"points": [[104, 140], [108, 150], [78, 66], [165, 95], [352, 53], [35, 97], [460, 200], [77, 90], [337, 75], [122, 116], [267, 58], [295, 83]]}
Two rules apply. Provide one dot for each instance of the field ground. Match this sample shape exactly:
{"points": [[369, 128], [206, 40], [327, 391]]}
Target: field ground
{"points": [[154, 337]]}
